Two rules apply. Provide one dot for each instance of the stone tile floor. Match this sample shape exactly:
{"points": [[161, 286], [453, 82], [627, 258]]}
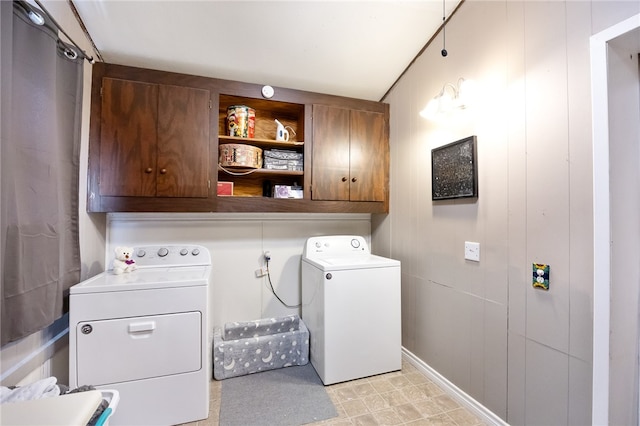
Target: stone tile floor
{"points": [[403, 397]]}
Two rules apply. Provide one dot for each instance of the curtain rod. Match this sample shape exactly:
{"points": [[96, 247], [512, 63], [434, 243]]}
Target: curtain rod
{"points": [[87, 57], [85, 30]]}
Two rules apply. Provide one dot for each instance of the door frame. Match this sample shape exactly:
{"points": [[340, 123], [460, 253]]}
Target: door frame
{"points": [[601, 214]]}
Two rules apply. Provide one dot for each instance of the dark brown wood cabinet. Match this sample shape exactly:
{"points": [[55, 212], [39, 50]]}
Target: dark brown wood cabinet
{"points": [[154, 145], [150, 141], [350, 154], [154, 140]]}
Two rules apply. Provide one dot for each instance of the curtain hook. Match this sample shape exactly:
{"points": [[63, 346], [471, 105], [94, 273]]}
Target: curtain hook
{"points": [[70, 53], [36, 18]]}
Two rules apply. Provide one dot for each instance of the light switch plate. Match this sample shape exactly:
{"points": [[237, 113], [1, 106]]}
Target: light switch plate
{"points": [[472, 251]]}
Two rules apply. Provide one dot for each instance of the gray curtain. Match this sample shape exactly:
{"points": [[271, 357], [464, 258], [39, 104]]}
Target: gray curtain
{"points": [[40, 116]]}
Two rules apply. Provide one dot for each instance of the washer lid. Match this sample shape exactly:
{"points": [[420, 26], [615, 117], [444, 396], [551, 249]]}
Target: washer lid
{"points": [[145, 279], [353, 262]]}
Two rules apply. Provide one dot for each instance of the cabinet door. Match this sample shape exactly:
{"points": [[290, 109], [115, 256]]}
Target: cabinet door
{"points": [[183, 142], [128, 136], [330, 176], [368, 151]]}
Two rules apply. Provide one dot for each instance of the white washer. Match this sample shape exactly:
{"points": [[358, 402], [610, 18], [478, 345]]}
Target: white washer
{"points": [[144, 333], [351, 306]]}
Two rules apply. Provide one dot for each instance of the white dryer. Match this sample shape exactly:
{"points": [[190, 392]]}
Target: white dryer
{"points": [[144, 333], [351, 306]]}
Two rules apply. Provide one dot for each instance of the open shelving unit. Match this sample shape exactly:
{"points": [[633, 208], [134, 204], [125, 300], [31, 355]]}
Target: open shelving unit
{"points": [[252, 182]]}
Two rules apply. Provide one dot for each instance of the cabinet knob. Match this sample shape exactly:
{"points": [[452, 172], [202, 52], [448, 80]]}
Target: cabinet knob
{"points": [[344, 179], [163, 171], [354, 179], [148, 170]]}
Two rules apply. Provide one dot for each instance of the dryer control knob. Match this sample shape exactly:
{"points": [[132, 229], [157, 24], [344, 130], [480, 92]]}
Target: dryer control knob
{"points": [[355, 243], [184, 252], [141, 253], [195, 252], [163, 252], [329, 276]]}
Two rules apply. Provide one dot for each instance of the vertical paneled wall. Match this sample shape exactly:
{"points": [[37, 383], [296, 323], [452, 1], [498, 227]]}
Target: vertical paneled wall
{"points": [[524, 353], [237, 243]]}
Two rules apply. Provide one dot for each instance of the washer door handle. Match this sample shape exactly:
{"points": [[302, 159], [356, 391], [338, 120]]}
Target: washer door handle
{"points": [[142, 327]]}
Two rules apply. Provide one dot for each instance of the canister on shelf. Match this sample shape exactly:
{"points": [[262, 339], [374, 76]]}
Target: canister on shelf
{"points": [[241, 121]]}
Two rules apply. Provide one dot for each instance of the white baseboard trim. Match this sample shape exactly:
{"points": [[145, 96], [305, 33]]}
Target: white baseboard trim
{"points": [[455, 392]]}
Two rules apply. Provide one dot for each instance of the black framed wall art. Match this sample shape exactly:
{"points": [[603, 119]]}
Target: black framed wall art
{"points": [[454, 170]]}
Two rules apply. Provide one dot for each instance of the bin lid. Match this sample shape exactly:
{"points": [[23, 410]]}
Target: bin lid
{"points": [[70, 409]]}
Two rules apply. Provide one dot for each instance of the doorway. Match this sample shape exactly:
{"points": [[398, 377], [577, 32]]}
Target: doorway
{"points": [[616, 204]]}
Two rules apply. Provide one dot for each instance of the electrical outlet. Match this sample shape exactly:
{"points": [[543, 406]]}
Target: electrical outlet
{"points": [[541, 276], [472, 251], [261, 272]]}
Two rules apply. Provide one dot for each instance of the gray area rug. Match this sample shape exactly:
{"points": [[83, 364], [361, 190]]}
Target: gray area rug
{"points": [[286, 396]]}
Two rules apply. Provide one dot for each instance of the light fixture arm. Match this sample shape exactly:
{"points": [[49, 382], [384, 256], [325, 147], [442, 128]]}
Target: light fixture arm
{"points": [[455, 88], [450, 97]]}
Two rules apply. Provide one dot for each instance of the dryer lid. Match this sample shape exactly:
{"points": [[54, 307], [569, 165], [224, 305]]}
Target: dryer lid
{"points": [[145, 279]]}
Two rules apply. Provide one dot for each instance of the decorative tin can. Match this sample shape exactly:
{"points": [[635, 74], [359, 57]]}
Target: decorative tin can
{"points": [[239, 155], [241, 121]]}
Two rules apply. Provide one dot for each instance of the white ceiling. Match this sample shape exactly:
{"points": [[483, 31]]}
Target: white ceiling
{"points": [[347, 48]]}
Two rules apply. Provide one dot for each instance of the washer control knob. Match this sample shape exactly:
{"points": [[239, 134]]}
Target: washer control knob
{"points": [[141, 253], [184, 252], [163, 252], [328, 276], [355, 243], [195, 251]]}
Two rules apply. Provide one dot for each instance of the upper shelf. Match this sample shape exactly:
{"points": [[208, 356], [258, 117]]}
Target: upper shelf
{"points": [[260, 142], [291, 115]]}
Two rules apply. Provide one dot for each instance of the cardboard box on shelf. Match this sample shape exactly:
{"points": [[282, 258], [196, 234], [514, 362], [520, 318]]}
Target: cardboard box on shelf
{"points": [[225, 189]]}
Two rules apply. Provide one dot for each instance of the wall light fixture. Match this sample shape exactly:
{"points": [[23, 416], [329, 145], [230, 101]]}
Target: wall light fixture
{"points": [[452, 97]]}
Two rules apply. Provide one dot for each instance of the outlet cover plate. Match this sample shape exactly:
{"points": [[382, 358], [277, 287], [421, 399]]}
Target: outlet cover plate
{"points": [[472, 251], [541, 272]]}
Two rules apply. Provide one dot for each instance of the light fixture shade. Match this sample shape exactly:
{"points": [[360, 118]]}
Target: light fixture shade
{"points": [[467, 92], [447, 100]]}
